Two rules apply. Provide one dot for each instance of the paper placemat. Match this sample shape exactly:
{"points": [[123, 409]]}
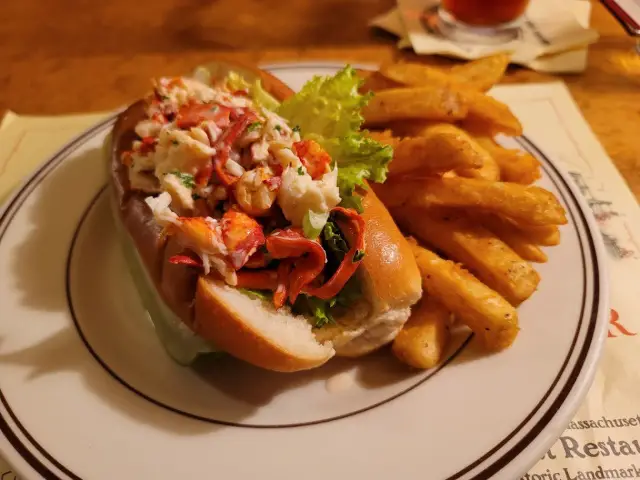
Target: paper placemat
{"points": [[26, 141], [603, 440]]}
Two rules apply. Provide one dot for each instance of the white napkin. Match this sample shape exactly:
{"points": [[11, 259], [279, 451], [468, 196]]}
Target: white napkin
{"points": [[554, 36]]}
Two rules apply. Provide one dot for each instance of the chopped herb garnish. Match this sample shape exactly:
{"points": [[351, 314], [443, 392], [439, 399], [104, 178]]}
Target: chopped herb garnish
{"points": [[164, 97], [296, 129], [214, 108], [278, 128], [195, 196], [300, 171], [254, 126], [359, 255], [175, 142], [185, 178]]}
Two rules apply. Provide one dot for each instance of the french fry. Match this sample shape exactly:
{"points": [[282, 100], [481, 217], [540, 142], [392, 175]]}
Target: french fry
{"points": [[461, 239], [482, 74], [425, 103], [516, 239], [515, 165], [384, 136], [394, 192], [526, 204], [414, 128], [488, 171], [487, 314], [375, 81], [488, 116], [422, 341], [442, 148], [547, 235], [418, 75], [455, 142], [364, 74]]}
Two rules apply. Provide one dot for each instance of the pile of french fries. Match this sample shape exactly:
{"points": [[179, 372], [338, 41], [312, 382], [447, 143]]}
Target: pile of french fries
{"points": [[474, 220]]}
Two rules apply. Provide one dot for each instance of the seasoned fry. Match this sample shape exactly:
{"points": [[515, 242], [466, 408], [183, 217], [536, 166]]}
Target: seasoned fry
{"points": [[426, 103], [374, 82], [490, 317], [515, 165], [423, 339], [463, 195], [449, 140], [364, 74], [527, 204], [488, 116], [385, 136], [395, 192], [414, 128], [418, 75], [482, 74], [478, 249], [488, 171], [516, 239], [443, 147], [547, 235]]}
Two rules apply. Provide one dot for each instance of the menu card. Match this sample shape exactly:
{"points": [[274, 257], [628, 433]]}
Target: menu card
{"points": [[603, 440]]}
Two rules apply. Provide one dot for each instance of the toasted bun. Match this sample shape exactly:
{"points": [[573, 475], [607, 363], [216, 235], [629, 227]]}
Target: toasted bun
{"points": [[390, 281], [252, 330], [389, 270]]}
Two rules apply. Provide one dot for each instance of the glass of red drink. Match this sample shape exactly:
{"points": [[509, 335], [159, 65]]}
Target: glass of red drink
{"points": [[481, 21]]}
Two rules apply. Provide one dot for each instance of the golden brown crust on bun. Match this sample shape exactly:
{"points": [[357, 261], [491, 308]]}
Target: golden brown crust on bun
{"points": [[251, 330], [389, 270]]}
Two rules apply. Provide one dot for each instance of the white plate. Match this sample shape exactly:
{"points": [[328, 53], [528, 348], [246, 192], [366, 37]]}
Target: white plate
{"points": [[86, 390]]}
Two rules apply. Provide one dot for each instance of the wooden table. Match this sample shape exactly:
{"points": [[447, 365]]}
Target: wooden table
{"points": [[81, 56]]}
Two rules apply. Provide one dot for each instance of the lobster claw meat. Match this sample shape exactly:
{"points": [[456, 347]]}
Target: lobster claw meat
{"points": [[309, 258], [185, 260], [314, 158], [192, 115], [242, 236], [225, 144], [257, 279]]}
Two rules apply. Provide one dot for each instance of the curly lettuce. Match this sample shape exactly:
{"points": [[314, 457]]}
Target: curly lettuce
{"points": [[328, 110], [257, 93]]}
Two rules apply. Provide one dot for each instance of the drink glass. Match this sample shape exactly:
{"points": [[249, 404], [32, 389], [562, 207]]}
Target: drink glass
{"points": [[481, 21]]}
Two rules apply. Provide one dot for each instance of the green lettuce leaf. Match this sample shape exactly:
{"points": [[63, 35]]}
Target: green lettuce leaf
{"points": [[326, 106], [313, 223], [334, 241], [350, 293], [328, 110], [258, 94], [316, 308], [322, 311]]}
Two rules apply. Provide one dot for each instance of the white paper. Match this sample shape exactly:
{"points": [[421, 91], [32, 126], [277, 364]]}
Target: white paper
{"points": [[594, 447]]}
